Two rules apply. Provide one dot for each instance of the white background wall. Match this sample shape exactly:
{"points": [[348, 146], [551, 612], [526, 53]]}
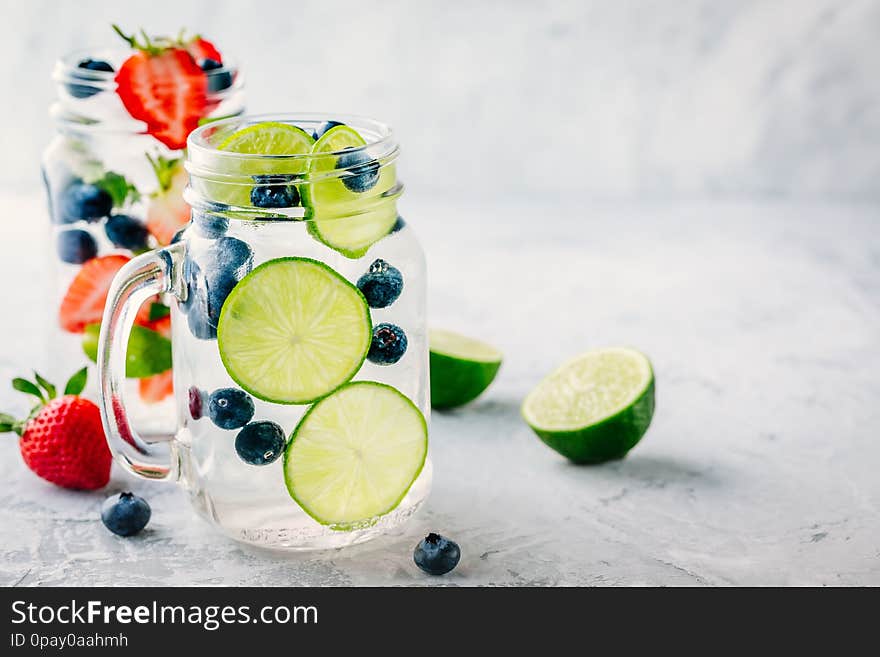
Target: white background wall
{"points": [[615, 99]]}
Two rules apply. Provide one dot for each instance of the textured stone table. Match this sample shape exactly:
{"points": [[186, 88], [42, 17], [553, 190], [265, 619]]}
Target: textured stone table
{"points": [[763, 323]]}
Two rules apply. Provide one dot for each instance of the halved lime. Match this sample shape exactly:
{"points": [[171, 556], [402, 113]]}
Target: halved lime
{"points": [[269, 138], [148, 352], [355, 454], [461, 368], [293, 330], [595, 407], [346, 220]]}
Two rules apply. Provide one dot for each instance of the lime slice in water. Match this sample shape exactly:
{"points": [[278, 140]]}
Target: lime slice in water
{"points": [[265, 139], [355, 454], [595, 407], [293, 330], [461, 368], [348, 214]]}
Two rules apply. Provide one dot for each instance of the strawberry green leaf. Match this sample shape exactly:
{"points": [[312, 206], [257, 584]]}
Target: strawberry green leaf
{"points": [[25, 386], [164, 168], [120, 190], [77, 382], [159, 311], [45, 385]]}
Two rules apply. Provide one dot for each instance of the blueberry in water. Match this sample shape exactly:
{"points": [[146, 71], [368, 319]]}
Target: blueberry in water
{"points": [[196, 402], [125, 514], [88, 88], [324, 127], [230, 408], [362, 171], [274, 191], [260, 443], [399, 224], [195, 306], [127, 232], [436, 554], [388, 345], [76, 246], [216, 81], [211, 226], [86, 202], [381, 285]]}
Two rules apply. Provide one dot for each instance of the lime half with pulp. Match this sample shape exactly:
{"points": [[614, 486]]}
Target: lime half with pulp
{"points": [[461, 368], [293, 330], [595, 407], [355, 454]]}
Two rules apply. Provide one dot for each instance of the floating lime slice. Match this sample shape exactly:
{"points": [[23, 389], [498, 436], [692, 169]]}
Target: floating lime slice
{"points": [[595, 407], [461, 368], [355, 454], [293, 330], [264, 139], [346, 220], [148, 352]]}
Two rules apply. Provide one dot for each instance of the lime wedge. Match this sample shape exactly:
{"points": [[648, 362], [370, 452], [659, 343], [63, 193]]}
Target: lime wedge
{"points": [[461, 368], [293, 330], [148, 352], [355, 454], [264, 139], [348, 217], [595, 407]]}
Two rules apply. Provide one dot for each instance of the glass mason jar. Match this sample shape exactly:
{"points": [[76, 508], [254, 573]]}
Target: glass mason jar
{"points": [[115, 189], [299, 340]]}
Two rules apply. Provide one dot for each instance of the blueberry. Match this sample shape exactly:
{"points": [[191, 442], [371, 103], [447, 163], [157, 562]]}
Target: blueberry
{"points": [[436, 555], [127, 232], [88, 88], [381, 285], [83, 201], [230, 408], [211, 226], [324, 127], [388, 345], [398, 225], [216, 81], [260, 443], [125, 514], [196, 402], [226, 261], [362, 171], [274, 191], [76, 246]]}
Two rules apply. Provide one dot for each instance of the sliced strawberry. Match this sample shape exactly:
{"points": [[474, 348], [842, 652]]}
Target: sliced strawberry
{"points": [[154, 389], [201, 49], [167, 90], [167, 212], [85, 298]]}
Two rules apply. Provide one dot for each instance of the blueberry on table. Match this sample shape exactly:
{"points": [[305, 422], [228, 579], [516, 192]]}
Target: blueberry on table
{"points": [[216, 81], [260, 443], [84, 202], [436, 554], [76, 246], [125, 514], [324, 127], [196, 402], [127, 232], [230, 408], [362, 171], [88, 89], [381, 285], [388, 345], [274, 191]]}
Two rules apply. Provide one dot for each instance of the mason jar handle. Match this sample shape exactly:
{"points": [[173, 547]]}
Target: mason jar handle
{"points": [[144, 276]]}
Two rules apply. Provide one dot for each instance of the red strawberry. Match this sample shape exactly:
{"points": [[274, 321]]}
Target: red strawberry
{"points": [[85, 298], [162, 85], [201, 49], [167, 212], [62, 440], [154, 389]]}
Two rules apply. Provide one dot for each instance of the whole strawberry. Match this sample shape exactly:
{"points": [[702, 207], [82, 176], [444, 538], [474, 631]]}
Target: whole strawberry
{"points": [[62, 439]]}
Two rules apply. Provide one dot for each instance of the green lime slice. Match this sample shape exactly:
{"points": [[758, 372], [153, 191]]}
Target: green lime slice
{"points": [[293, 330], [595, 407], [148, 352], [347, 221], [461, 368], [355, 454], [264, 139]]}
